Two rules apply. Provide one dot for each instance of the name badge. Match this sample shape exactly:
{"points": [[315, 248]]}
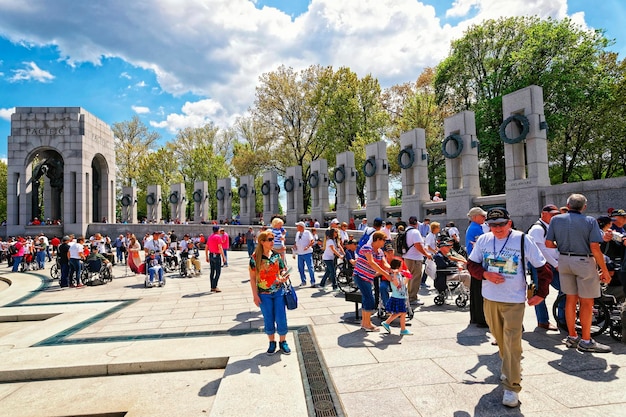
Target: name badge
{"points": [[493, 269]]}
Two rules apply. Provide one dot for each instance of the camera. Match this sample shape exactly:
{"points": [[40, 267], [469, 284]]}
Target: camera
{"points": [[618, 237]]}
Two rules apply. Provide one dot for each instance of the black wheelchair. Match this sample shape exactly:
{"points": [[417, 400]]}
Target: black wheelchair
{"points": [[95, 272]]}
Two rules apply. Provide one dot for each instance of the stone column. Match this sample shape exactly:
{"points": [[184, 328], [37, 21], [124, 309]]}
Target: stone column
{"points": [[525, 151], [200, 198], [413, 161], [247, 199], [318, 182], [462, 176], [295, 199], [224, 197], [376, 170], [270, 190], [129, 205], [154, 208], [178, 202], [345, 179]]}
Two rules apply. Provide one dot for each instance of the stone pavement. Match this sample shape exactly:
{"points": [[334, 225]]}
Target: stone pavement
{"points": [[124, 350]]}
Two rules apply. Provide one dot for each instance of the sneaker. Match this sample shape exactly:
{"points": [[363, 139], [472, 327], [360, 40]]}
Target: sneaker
{"points": [[284, 347], [593, 346], [572, 342], [386, 326], [272, 348], [510, 398], [405, 332]]}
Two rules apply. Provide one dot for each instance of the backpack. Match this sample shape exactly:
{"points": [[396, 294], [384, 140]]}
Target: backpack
{"points": [[543, 226], [364, 238], [12, 250], [401, 244]]}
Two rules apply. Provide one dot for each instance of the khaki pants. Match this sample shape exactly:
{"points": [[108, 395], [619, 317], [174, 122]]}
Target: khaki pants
{"points": [[505, 324], [415, 267]]}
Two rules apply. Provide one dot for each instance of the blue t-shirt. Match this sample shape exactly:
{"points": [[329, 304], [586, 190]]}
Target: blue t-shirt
{"points": [[473, 231]]}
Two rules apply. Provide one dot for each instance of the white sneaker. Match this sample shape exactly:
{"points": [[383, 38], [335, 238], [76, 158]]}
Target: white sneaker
{"points": [[510, 398]]}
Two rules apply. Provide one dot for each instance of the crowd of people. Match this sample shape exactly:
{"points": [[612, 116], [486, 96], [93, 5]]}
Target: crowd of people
{"points": [[503, 268]]}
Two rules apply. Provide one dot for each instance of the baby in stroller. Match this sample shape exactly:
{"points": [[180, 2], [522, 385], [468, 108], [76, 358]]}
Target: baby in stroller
{"points": [[451, 279]]}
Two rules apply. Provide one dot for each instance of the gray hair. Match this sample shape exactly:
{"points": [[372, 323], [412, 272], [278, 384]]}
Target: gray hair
{"points": [[576, 202]]}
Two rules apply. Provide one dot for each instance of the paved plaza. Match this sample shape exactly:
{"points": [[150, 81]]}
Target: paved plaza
{"points": [[124, 350]]}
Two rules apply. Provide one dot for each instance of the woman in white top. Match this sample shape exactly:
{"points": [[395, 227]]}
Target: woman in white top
{"points": [[330, 251]]}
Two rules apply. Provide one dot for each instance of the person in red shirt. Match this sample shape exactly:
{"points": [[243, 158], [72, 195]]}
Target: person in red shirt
{"points": [[55, 242], [215, 256]]}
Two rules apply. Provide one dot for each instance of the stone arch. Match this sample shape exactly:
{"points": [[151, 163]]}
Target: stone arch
{"points": [[44, 173], [99, 181], [70, 154]]}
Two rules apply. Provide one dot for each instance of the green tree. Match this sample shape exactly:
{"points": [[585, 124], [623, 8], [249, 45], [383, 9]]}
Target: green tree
{"points": [[414, 105], [501, 56], [283, 111], [351, 115], [197, 159], [133, 142]]}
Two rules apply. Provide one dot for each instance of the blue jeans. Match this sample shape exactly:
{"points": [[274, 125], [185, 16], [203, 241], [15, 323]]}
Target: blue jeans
{"points": [[17, 260], [120, 254], [307, 259], [384, 288], [250, 244], [225, 256], [367, 296], [65, 275], [155, 271], [331, 272], [76, 266], [541, 310], [41, 259], [274, 312]]}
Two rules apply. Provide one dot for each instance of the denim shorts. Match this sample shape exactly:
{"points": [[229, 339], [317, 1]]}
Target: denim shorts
{"points": [[367, 296]]}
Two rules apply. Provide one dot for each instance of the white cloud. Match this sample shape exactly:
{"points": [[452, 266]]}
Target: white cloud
{"points": [[140, 109], [31, 73], [194, 114], [125, 75], [461, 8], [6, 113], [141, 84], [218, 49]]}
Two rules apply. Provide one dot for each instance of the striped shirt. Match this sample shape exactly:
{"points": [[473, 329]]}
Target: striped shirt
{"points": [[362, 268], [278, 234]]}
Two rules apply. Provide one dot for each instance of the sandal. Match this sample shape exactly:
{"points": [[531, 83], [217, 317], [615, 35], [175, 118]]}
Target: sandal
{"points": [[370, 329]]}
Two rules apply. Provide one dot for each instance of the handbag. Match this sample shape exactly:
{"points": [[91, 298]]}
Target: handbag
{"points": [[431, 268], [291, 299]]}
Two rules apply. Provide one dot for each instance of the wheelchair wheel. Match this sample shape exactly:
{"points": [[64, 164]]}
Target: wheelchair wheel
{"points": [[600, 320], [105, 275], [439, 300], [346, 283], [55, 272], [616, 330], [461, 301]]}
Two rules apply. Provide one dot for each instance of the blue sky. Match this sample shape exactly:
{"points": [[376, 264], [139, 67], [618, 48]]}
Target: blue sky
{"points": [[190, 62]]}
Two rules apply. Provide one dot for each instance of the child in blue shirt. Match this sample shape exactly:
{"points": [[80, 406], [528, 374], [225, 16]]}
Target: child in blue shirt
{"points": [[396, 306]]}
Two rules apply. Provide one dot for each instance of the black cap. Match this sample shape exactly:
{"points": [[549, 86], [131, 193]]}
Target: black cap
{"points": [[619, 212], [497, 215], [216, 228], [378, 222]]}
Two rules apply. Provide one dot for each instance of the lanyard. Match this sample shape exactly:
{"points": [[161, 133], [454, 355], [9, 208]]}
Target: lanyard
{"points": [[503, 246]]}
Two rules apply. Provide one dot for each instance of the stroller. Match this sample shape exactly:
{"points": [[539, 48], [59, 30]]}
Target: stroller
{"points": [[318, 263], [450, 283]]}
